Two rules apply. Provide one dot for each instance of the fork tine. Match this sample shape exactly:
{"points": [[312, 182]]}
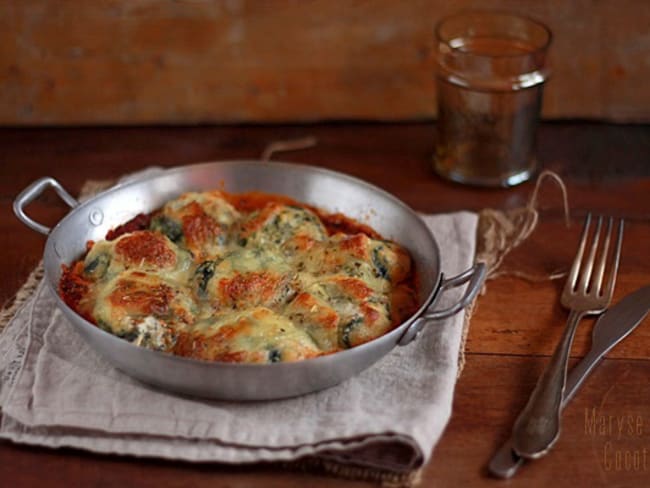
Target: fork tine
{"points": [[609, 289], [589, 264], [575, 267], [597, 283]]}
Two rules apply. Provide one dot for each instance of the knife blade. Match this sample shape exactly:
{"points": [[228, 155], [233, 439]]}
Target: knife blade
{"points": [[610, 329]]}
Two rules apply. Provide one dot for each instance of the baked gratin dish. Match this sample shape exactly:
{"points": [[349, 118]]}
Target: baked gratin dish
{"points": [[250, 278]]}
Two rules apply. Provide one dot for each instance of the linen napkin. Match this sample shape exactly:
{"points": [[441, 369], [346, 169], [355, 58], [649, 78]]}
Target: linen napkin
{"points": [[56, 391]]}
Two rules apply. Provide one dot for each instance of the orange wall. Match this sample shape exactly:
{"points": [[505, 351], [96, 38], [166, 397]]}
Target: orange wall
{"points": [[164, 61]]}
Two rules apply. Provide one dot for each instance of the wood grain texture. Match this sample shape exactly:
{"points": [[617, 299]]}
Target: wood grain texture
{"points": [[514, 329], [126, 62], [583, 456]]}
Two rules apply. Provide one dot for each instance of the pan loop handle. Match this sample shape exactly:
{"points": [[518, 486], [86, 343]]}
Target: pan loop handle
{"points": [[474, 275], [30, 193]]}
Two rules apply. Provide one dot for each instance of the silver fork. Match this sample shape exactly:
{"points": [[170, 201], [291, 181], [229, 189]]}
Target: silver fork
{"points": [[538, 426]]}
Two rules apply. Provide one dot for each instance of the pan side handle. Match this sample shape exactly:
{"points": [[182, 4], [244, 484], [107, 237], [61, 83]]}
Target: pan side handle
{"points": [[474, 275], [30, 193]]}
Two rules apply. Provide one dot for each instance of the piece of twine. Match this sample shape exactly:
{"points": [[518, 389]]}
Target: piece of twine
{"points": [[287, 145], [501, 231], [498, 233]]}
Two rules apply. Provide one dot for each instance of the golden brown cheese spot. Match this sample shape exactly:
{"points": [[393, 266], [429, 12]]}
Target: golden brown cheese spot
{"points": [[299, 244], [380, 264], [370, 314], [199, 229], [214, 347], [133, 296], [374, 321], [317, 318], [145, 247], [245, 279], [355, 246], [331, 256], [213, 203], [363, 314], [341, 288], [256, 336], [199, 222], [143, 250], [354, 288], [248, 289], [137, 297]]}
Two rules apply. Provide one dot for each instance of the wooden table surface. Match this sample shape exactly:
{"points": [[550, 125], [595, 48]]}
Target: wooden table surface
{"points": [[515, 327]]}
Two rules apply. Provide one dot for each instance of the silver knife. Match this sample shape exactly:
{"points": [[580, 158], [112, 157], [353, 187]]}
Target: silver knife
{"points": [[610, 329]]}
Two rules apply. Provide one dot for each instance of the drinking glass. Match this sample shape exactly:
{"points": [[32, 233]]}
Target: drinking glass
{"points": [[490, 70]]}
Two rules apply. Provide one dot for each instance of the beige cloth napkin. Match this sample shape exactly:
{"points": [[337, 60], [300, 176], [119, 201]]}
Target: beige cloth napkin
{"points": [[56, 391]]}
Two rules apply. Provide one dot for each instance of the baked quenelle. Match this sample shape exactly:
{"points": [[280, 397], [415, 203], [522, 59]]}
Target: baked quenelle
{"points": [[253, 278]]}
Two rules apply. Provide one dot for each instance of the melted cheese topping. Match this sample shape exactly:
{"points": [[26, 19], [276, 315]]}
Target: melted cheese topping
{"points": [[212, 281]]}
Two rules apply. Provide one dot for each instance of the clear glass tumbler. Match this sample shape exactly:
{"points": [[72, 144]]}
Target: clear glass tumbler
{"points": [[490, 73]]}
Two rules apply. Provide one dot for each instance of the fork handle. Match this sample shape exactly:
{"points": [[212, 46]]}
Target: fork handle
{"points": [[538, 425]]}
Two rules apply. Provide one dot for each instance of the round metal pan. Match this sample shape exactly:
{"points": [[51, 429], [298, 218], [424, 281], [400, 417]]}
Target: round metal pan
{"points": [[328, 190]]}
